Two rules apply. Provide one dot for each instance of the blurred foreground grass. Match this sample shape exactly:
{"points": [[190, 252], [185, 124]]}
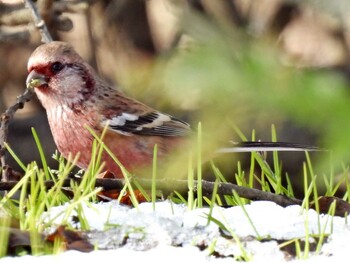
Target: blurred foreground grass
{"points": [[224, 77]]}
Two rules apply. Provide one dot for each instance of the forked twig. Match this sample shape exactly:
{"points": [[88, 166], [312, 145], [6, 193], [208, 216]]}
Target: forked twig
{"points": [[4, 122]]}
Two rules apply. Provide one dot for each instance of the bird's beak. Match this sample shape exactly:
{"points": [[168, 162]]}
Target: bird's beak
{"points": [[35, 80]]}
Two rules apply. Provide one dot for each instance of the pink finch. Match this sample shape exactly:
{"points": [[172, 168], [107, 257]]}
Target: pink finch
{"points": [[74, 97]]}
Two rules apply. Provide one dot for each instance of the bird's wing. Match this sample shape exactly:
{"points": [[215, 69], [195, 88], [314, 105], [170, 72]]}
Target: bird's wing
{"points": [[151, 123]]}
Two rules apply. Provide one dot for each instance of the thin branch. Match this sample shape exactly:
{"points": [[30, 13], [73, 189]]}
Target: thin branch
{"points": [[4, 122], [179, 185], [39, 22]]}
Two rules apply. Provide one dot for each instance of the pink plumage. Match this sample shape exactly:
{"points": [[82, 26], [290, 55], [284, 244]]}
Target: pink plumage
{"points": [[74, 97]]}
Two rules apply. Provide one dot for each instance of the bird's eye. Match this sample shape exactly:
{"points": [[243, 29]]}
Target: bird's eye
{"points": [[57, 67]]}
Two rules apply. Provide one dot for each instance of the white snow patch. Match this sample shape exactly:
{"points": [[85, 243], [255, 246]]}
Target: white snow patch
{"points": [[172, 233]]}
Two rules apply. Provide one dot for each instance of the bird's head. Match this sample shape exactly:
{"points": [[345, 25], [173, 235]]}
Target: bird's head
{"points": [[59, 74]]}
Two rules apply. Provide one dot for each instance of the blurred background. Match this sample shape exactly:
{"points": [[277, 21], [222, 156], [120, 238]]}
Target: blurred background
{"points": [[225, 63]]}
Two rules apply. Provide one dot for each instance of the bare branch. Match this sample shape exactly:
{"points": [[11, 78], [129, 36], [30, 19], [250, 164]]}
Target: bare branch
{"points": [[4, 122], [39, 22], [180, 185]]}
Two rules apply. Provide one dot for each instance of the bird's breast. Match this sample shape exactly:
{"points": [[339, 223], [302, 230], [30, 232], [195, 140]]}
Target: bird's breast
{"points": [[70, 133]]}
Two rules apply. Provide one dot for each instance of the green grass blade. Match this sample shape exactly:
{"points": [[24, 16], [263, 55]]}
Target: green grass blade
{"points": [[48, 175], [199, 166], [15, 157], [154, 177]]}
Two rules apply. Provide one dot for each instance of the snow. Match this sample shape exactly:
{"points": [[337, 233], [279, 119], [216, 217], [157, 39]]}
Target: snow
{"points": [[174, 233]]}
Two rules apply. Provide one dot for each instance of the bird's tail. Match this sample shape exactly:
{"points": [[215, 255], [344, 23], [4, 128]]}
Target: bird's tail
{"points": [[257, 146]]}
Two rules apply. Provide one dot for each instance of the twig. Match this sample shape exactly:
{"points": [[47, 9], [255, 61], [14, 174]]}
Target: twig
{"points": [[4, 122], [39, 22], [179, 185]]}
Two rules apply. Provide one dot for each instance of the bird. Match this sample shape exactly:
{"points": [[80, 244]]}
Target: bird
{"points": [[76, 97]]}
